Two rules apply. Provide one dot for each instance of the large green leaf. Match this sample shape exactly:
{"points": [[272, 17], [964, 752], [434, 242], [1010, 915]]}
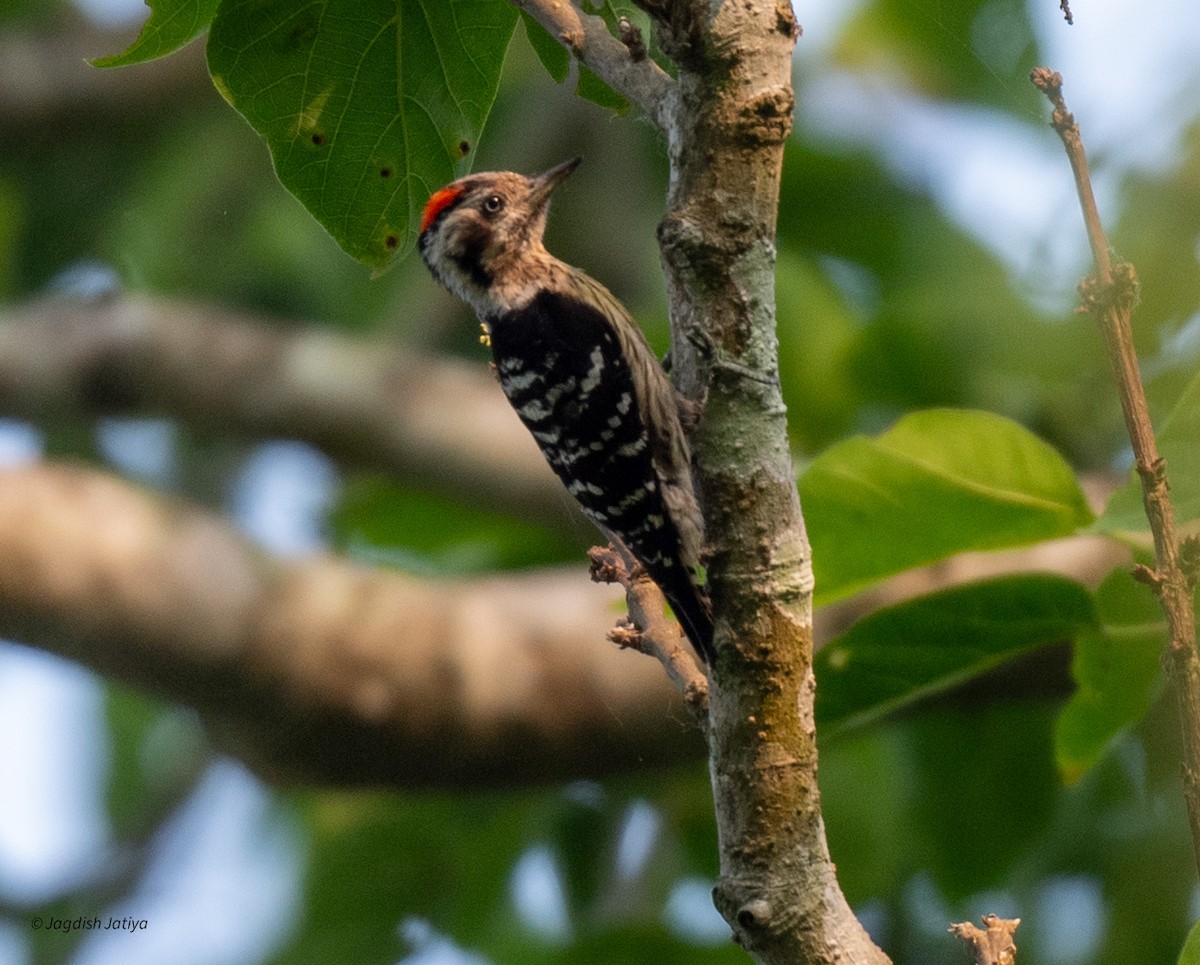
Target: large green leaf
{"points": [[938, 482], [1117, 670], [171, 25], [1177, 443], [923, 646], [368, 106]]}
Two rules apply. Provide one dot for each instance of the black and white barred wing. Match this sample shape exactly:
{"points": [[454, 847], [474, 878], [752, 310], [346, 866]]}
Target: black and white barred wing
{"points": [[601, 409]]}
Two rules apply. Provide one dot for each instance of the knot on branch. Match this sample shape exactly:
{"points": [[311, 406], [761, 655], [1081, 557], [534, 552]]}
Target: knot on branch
{"points": [[632, 38], [1147, 576], [757, 909], [755, 914], [1154, 474], [679, 28], [991, 945], [1049, 82], [606, 566], [1189, 560], [768, 117], [684, 244], [785, 21], [627, 635], [1119, 294]]}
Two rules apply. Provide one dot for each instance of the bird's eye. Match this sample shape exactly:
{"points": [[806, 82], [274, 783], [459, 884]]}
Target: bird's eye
{"points": [[492, 204]]}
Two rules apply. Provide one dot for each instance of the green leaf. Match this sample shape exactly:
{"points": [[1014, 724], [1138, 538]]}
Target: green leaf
{"points": [[592, 88], [172, 24], [1125, 513], [368, 106], [553, 55], [1191, 948], [1117, 670], [589, 86], [938, 482], [923, 646]]}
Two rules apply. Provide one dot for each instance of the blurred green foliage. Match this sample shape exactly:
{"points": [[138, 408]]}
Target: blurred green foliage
{"points": [[978, 50], [952, 805], [380, 521]]}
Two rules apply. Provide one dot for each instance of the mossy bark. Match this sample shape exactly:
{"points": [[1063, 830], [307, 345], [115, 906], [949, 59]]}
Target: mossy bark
{"points": [[732, 113]]}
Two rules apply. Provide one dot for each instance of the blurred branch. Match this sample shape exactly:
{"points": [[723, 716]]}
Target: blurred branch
{"points": [[439, 422], [1110, 296], [318, 671]]}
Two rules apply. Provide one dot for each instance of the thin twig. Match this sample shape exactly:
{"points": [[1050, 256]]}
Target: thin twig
{"points": [[648, 629], [1109, 296], [638, 78], [991, 945]]}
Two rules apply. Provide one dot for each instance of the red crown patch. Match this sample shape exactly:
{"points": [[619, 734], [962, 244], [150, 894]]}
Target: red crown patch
{"points": [[437, 203]]}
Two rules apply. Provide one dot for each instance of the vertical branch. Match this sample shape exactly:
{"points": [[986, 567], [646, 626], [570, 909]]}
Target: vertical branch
{"points": [[729, 120], [726, 119], [1109, 296]]}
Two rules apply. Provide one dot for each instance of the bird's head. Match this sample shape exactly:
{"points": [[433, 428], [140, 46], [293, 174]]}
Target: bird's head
{"points": [[482, 233]]}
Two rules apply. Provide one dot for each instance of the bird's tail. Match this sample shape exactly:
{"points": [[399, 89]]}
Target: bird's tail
{"points": [[693, 610]]}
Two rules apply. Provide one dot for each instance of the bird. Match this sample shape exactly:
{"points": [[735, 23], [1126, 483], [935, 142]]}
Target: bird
{"points": [[581, 376]]}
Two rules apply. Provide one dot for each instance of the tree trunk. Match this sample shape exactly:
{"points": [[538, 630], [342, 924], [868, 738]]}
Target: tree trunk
{"points": [[732, 115]]}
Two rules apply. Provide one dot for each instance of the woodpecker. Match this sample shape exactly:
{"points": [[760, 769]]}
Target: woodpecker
{"points": [[580, 374]]}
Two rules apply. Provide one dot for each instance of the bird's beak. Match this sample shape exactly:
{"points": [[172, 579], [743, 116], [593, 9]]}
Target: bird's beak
{"points": [[545, 183]]}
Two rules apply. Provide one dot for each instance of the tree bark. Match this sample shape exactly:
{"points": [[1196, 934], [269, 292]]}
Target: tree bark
{"points": [[732, 114]]}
